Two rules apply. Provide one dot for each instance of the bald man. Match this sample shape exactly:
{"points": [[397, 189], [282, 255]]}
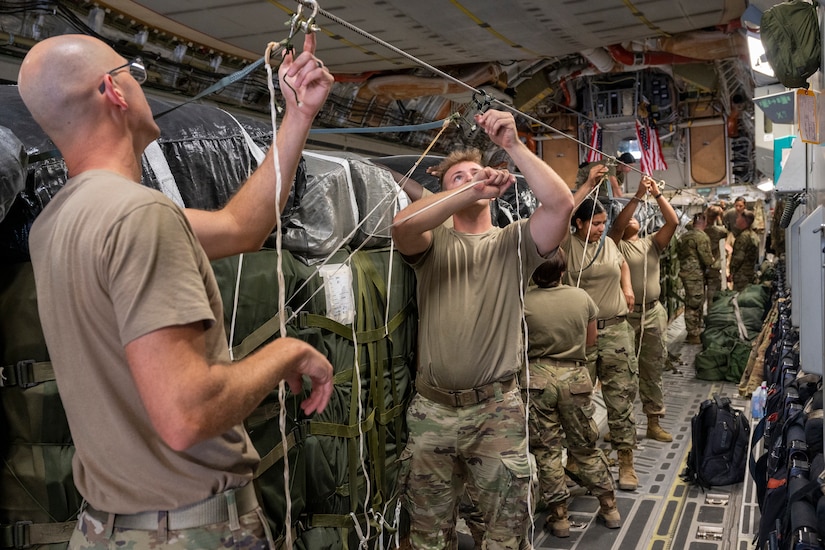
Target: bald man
{"points": [[132, 315]]}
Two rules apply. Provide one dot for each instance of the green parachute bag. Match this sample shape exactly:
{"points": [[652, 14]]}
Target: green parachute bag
{"points": [[38, 500], [329, 452], [790, 34]]}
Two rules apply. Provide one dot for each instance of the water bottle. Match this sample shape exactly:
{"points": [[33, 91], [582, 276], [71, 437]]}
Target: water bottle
{"points": [[759, 399], [763, 398], [756, 408]]}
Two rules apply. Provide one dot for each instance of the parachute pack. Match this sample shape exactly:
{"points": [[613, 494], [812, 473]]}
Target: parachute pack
{"points": [[790, 33]]}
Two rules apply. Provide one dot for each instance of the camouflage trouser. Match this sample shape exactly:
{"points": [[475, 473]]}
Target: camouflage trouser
{"points": [[482, 445], [694, 303], [713, 284], [253, 534], [561, 411], [652, 355], [613, 362]]}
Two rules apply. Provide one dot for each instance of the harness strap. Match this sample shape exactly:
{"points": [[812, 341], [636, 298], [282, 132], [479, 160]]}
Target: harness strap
{"points": [[26, 373], [25, 534]]}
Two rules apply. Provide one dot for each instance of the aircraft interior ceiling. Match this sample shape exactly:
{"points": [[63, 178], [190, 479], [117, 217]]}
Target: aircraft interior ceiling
{"points": [[408, 63]]}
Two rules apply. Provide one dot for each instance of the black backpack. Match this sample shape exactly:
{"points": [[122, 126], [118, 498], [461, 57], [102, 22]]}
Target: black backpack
{"points": [[790, 33], [719, 437]]}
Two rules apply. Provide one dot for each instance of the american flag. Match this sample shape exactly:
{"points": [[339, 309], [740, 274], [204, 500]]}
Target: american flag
{"points": [[594, 152], [652, 157]]}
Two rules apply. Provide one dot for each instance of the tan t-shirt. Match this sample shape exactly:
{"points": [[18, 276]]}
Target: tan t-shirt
{"points": [[643, 277], [602, 279], [469, 328], [113, 261], [557, 320]]}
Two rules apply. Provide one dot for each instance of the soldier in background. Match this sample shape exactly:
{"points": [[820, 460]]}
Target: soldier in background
{"points": [[561, 323], [745, 253], [616, 174], [716, 232], [729, 219], [695, 257]]}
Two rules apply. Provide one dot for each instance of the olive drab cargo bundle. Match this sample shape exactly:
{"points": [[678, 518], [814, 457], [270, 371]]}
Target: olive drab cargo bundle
{"points": [[733, 322], [343, 462], [341, 308], [38, 500], [790, 33]]}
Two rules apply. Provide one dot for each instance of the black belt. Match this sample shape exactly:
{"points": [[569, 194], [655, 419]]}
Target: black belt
{"points": [[215, 509], [638, 308], [464, 398], [603, 323]]}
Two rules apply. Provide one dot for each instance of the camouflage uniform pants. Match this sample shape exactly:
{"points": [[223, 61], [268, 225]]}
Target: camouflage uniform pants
{"points": [[482, 445], [652, 355], [713, 283], [613, 362], [694, 303], [253, 534], [561, 412]]}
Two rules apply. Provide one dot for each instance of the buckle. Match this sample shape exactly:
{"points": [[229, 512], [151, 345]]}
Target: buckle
{"points": [[600, 323], [20, 374], [20, 534]]}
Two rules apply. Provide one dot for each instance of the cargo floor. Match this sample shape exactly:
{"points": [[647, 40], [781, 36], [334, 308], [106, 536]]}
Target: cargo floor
{"points": [[664, 512]]}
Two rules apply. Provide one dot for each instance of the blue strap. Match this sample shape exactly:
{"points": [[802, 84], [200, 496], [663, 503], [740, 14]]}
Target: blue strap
{"points": [[219, 85]]}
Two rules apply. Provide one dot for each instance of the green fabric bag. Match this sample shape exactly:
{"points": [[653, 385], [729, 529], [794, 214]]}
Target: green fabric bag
{"points": [[790, 34], [36, 478]]}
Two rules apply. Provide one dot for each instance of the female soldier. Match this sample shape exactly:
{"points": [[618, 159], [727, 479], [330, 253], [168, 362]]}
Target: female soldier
{"points": [[596, 265], [561, 322], [647, 317]]}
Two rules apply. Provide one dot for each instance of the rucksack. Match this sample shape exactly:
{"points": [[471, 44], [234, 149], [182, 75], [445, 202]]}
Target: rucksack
{"points": [[719, 437], [790, 34]]}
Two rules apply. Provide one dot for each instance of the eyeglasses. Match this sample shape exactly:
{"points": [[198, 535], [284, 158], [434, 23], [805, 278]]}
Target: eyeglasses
{"points": [[136, 68]]}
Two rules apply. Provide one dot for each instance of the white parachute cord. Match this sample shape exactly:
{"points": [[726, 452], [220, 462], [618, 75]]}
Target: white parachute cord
{"points": [[526, 360], [235, 300], [368, 511], [396, 523], [362, 540], [347, 239], [594, 192], [281, 294], [644, 300], [401, 185], [296, 311]]}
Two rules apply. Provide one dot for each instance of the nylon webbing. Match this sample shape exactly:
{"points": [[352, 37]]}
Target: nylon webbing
{"points": [[219, 85], [24, 534], [342, 430], [257, 337], [26, 374], [157, 161], [313, 320], [275, 455]]}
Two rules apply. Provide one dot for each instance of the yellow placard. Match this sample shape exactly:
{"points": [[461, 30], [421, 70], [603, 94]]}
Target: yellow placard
{"points": [[807, 115]]}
